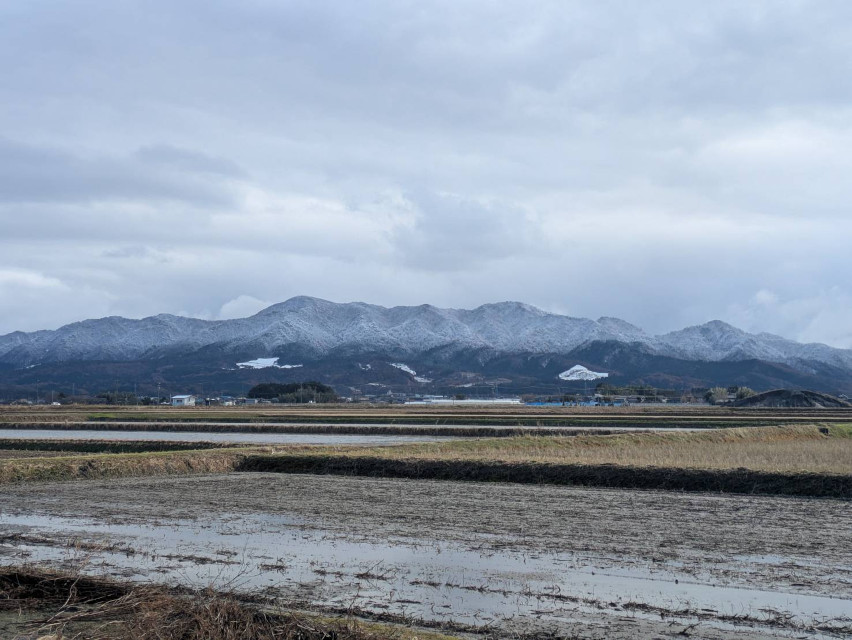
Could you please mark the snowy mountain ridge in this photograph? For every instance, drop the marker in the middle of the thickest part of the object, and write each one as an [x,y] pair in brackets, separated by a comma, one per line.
[317,328]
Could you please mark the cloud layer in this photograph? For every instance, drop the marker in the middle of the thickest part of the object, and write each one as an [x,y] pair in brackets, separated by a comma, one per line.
[666,162]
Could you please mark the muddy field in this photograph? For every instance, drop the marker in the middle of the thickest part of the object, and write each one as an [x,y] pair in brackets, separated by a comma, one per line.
[504,558]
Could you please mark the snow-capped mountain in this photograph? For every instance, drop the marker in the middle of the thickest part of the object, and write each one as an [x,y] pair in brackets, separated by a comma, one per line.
[716,341]
[318,328]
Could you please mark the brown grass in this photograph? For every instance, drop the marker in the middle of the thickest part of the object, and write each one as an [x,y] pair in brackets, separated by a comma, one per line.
[9,454]
[77,466]
[77,607]
[778,450]
[788,449]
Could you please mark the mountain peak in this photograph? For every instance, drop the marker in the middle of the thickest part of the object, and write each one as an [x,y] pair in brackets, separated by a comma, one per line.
[720,325]
[294,304]
[512,305]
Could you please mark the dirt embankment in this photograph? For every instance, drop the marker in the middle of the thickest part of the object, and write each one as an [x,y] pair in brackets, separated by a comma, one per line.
[108,446]
[791,460]
[792,399]
[714,480]
[119,465]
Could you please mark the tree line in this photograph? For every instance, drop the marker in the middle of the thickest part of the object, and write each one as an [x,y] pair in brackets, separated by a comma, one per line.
[294,392]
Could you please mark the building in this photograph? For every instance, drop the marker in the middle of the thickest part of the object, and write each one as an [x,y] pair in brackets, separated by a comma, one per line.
[442,400]
[183,401]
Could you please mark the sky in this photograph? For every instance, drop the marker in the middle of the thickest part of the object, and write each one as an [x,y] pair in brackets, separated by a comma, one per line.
[665,162]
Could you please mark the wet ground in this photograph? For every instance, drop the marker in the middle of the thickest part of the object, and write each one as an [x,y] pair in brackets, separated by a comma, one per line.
[190,436]
[510,558]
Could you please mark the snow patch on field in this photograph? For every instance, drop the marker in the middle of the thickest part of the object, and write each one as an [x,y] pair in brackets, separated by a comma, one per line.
[266,363]
[579,372]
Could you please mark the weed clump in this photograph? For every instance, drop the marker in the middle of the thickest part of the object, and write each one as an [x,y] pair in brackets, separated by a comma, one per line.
[76,607]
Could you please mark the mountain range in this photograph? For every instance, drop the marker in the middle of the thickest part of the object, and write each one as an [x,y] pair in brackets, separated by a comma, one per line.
[360,345]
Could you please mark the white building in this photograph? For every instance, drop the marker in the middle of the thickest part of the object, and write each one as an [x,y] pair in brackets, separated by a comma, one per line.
[183,401]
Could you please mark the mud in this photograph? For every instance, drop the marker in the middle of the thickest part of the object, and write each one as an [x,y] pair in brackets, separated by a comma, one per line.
[506,558]
[740,480]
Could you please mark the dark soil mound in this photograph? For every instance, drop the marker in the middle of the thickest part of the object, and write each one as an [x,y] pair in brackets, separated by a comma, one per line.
[788,398]
[822,485]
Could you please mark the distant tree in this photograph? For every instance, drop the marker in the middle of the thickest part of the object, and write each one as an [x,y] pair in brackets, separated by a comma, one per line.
[745,392]
[117,397]
[717,395]
[460,396]
[294,392]
[268,390]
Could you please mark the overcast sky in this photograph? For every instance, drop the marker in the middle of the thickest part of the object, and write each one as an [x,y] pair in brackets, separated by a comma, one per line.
[666,162]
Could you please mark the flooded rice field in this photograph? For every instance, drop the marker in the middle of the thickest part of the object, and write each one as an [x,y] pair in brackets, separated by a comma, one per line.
[507,558]
[193,436]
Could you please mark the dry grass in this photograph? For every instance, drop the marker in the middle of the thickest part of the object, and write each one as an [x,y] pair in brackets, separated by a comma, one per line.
[9,454]
[29,469]
[69,607]
[785,449]
[788,449]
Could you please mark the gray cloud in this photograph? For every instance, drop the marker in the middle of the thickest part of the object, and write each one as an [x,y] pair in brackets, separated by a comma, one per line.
[163,155]
[668,162]
[39,174]
[451,233]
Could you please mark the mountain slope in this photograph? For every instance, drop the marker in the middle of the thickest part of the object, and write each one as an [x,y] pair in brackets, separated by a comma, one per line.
[316,328]
[716,341]
[372,349]
[312,328]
